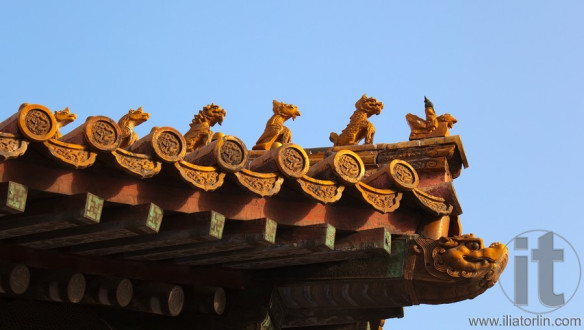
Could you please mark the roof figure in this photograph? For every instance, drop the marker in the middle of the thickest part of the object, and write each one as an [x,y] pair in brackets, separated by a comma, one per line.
[192,229]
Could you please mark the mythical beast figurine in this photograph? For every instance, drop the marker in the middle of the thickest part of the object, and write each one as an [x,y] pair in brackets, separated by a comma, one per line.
[63,118]
[433,126]
[127,123]
[460,262]
[200,132]
[275,131]
[359,127]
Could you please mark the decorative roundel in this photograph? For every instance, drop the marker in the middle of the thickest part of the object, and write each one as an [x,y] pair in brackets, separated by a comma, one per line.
[37,122]
[292,160]
[348,166]
[168,144]
[102,133]
[403,174]
[230,153]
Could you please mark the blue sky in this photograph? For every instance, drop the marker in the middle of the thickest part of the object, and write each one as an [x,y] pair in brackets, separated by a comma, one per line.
[509,71]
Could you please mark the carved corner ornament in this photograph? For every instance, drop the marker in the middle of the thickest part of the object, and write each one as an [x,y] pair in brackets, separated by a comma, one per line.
[127,123]
[375,189]
[11,146]
[262,184]
[70,154]
[276,133]
[432,204]
[200,132]
[383,200]
[432,126]
[460,263]
[322,191]
[138,165]
[359,127]
[207,178]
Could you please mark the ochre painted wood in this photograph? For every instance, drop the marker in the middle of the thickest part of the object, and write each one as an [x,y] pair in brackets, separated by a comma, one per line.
[54,214]
[241,207]
[176,230]
[289,241]
[116,223]
[237,235]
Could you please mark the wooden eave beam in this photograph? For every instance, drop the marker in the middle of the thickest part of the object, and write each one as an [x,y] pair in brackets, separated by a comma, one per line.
[119,188]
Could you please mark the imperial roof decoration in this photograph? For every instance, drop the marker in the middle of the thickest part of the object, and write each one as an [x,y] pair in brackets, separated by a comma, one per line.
[203,211]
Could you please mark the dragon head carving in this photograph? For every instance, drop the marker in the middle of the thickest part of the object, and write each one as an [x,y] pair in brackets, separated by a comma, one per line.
[137,116]
[463,263]
[64,117]
[448,119]
[285,110]
[369,105]
[211,114]
[465,256]
[127,123]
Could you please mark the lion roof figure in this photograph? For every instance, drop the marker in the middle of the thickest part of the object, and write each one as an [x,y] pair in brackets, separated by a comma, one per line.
[359,127]
[200,132]
[275,131]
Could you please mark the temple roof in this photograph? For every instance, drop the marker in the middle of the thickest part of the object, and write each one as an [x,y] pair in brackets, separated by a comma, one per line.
[376,176]
[114,203]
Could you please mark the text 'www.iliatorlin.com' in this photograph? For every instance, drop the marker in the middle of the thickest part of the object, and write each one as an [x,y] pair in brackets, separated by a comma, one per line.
[523,321]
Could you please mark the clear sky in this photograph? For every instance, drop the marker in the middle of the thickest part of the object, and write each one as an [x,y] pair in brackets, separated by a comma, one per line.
[509,71]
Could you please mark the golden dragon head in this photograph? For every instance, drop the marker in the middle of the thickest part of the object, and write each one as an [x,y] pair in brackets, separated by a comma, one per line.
[285,110]
[64,117]
[136,116]
[465,256]
[461,268]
